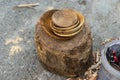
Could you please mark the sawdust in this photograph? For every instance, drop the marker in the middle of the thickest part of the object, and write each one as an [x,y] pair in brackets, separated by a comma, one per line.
[13,41]
[14,50]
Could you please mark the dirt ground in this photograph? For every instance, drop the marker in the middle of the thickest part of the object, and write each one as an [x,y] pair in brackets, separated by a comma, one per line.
[18,58]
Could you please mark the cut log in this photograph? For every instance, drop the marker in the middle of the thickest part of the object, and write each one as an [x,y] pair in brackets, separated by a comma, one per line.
[70,57]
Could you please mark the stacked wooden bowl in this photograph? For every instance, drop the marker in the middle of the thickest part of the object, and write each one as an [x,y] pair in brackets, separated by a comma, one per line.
[63,42]
[62,24]
[66,23]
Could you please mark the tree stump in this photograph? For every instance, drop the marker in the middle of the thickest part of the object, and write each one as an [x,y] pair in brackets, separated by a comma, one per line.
[70,57]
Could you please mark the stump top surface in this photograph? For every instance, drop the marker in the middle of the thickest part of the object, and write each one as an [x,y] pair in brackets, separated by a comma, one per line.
[64,18]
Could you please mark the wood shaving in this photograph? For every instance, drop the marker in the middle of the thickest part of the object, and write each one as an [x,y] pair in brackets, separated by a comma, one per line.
[90,76]
[21,30]
[50,8]
[97,60]
[27,5]
[74,79]
[109,40]
[15,49]
[96,65]
[97,56]
[13,41]
[94,76]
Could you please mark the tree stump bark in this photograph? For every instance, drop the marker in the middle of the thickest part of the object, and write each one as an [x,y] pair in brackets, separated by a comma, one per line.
[70,57]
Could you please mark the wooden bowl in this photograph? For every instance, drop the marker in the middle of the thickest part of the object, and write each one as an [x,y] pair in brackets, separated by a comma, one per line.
[64,18]
[56,28]
[46,21]
[73,31]
[69,34]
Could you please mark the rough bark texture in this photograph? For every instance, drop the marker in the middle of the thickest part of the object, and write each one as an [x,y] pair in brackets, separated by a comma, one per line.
[65,57]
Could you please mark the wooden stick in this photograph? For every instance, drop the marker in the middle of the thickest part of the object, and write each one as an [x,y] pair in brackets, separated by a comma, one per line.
[97,55]
[96,65]
[26,5]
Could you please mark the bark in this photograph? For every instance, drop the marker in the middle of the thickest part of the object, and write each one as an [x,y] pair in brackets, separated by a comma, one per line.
[65,57]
